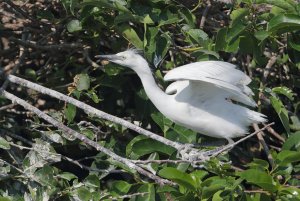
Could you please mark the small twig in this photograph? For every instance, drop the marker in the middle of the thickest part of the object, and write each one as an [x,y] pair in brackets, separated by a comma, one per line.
[16,168]
[275,134]
[5,107]
[129,196]
[268,67]
[230,146]
[203,18]
[83,138]
[257,191]
[18,137]
[19,10]
[75,162]
[18,63]
[161,161]
[59,47]
[197,6]
[263,143]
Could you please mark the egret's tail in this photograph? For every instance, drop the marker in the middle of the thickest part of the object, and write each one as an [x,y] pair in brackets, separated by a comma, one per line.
[256,117]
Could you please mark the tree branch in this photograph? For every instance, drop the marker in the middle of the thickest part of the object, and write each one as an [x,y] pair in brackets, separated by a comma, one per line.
[83,138]
[92,111]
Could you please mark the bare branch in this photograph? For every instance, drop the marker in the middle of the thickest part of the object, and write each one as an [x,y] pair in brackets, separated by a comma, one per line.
[205,12]
[83,138]
[263,143]
[92,111]
[275,134]
[58,47]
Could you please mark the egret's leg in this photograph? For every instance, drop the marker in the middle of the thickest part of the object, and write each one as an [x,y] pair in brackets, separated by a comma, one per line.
[230,141]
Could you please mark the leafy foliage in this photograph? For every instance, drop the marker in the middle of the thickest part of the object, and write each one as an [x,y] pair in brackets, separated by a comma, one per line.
[39,162]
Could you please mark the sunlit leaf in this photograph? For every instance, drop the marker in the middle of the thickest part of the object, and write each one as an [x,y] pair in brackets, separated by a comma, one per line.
[130,34]
[284,23]
[287,156]
[259,178]
[74,25]
[181,178]
[281,111]
[4,144]
[284,91]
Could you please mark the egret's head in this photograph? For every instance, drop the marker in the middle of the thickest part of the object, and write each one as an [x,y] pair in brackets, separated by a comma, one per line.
[129,58]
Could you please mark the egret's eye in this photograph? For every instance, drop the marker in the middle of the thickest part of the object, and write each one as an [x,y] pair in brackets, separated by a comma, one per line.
[123,57]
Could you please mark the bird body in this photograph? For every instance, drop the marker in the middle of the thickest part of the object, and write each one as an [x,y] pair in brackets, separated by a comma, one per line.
[201,96]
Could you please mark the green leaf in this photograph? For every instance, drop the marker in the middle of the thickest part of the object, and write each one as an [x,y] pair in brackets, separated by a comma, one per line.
[130,34]
[147,146]
[114,5]
[281,111]
[5,199]
[285,157]
[67,176]
[284,23]
[293,41]
[83,193]
[238,15]
[217,196]
[4,144]
[29,72]
[284,4]
[234,32]
[295,123]
[198,36]
[197,176]
[258,164]
[284,91]
[92,181]
[120,187]
[82,82]
[259,178]
[261,35]
[70,112]
[212,185]
[163,122]
[171,18]
[112,69]
[225,43]
[292,142]
[201,52]
[179,177]
[74,25]
[150,193]
[188,16]
[188,135]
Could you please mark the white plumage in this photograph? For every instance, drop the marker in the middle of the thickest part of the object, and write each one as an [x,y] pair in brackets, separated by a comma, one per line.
[201,96]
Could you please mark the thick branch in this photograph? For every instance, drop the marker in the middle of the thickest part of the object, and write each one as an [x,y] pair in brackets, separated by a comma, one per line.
[92,111]
[70,132]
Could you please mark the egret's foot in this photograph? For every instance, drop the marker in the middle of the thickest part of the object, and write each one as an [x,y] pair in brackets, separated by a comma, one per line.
[189,153]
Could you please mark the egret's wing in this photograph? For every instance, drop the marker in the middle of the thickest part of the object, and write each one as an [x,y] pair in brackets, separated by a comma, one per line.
[220,74]
[177,86]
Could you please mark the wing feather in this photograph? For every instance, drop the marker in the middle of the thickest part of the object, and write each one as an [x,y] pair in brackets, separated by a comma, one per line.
[221,74]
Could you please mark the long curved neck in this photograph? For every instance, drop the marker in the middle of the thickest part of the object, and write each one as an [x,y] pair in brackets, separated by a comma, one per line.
[155,94]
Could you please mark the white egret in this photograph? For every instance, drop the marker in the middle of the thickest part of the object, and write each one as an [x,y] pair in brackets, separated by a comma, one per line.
[201,98]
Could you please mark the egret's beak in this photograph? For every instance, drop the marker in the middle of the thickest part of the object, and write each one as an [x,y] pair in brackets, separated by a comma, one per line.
[110,57]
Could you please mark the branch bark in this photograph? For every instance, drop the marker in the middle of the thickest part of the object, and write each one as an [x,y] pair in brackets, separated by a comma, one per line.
[81,137]
[92,111]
